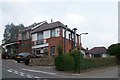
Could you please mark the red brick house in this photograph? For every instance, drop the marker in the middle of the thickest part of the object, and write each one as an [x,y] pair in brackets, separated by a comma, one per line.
[24,38]
[43,36]
[48,36]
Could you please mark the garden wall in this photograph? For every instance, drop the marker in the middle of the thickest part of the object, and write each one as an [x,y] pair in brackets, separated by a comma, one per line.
[42,61]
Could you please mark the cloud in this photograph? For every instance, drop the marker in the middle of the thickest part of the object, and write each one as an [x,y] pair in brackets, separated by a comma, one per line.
[94,39]
[73,20]
[59,0]
[100,22]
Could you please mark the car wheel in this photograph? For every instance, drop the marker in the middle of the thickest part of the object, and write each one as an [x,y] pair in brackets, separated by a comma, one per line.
[18,61]
[27,62]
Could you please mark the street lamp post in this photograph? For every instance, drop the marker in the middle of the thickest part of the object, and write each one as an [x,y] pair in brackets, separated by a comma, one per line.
[80,39]
[81,43]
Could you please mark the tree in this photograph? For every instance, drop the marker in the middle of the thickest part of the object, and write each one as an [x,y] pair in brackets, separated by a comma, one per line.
[11,32]
[114,49]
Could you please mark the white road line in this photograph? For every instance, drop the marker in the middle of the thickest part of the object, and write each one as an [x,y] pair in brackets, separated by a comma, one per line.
[22,74]
[29,76]
[15,72]
[37,77]
[10,70]
[39,71]
[75,74]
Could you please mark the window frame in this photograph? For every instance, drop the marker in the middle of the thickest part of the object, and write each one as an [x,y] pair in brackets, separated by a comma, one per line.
[52,33]
[40,34]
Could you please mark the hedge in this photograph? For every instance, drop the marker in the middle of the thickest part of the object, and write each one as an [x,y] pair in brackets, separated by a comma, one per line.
[75,62]
[64,62]
[97,62]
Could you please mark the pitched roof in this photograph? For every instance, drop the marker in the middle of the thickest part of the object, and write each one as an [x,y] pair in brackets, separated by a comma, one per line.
[98,50]
[47,26]
[41,26]
[30,27]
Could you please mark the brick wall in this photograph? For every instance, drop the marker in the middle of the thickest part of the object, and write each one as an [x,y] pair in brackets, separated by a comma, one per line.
[25,46]
[54,41]
[42,61]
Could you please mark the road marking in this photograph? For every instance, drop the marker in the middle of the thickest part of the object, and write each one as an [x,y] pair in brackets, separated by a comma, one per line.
[39,71]
[29,76]
[15,72]
[37,77]
[22,74]
[75,74]
[10,70]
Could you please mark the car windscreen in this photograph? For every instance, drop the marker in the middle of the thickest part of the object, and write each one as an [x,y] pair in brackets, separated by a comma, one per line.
[23,54]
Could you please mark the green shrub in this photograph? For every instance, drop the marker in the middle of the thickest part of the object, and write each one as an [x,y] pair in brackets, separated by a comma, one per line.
[78,57]
[60,49]
[64,62]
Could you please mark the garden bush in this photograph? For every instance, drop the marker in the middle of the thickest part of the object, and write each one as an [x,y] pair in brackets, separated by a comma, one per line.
[78,57]
[64,62]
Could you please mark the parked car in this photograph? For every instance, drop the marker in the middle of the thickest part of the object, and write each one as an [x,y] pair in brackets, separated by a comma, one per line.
[25,57]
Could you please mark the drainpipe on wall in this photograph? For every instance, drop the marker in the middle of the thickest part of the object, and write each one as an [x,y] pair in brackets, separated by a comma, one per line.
[74,29]
[65,39]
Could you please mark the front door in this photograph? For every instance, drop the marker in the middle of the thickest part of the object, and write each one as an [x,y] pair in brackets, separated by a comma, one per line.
[52,51]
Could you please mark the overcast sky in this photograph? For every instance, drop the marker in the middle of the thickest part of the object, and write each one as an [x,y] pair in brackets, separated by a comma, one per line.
[99,18]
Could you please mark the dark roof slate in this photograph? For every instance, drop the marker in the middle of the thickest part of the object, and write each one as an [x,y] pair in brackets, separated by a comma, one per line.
[47,26]
[30,27]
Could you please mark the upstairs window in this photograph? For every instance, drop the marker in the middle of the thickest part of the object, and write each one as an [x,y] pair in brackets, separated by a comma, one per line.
[53,33]
[28,34]
[23,35]
[19,36]
[40,36]
[69,37]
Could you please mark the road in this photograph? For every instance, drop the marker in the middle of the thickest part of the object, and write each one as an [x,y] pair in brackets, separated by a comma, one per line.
[12,69]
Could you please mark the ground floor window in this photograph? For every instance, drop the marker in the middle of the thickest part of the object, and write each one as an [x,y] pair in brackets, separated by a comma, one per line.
[40,51]
[97,55]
